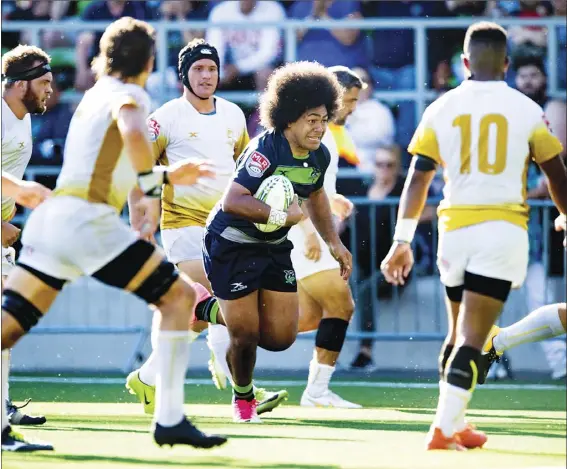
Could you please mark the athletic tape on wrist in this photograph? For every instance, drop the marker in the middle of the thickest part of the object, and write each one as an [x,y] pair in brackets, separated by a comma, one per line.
[151,182]
[405,230]
[277,217]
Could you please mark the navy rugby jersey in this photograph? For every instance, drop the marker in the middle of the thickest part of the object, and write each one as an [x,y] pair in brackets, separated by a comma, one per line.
[269,154]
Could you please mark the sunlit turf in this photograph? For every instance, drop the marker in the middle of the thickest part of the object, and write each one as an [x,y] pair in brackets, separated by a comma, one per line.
[101,426]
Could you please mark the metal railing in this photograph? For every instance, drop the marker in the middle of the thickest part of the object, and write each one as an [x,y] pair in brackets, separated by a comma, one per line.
[420,95]
[415,314]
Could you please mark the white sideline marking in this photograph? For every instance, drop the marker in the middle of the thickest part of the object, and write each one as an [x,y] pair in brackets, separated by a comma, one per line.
[291,383]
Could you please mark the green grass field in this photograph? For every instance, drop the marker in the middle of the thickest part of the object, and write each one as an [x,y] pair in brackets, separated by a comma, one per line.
[101,426]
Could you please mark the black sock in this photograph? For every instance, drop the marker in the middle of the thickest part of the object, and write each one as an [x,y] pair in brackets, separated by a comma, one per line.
[443,358]
[207,310]
[244,392]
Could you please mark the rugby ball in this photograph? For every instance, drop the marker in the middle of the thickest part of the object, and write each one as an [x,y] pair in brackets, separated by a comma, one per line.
[277,192]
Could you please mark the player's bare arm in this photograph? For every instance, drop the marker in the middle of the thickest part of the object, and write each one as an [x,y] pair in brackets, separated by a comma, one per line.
[341,206]
[320,213]
[10,234]
[398,262]
[26,193]
[556,174]
[240,202]
[312,246]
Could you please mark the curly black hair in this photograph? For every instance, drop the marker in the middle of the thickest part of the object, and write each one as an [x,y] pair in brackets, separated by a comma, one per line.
[295,88]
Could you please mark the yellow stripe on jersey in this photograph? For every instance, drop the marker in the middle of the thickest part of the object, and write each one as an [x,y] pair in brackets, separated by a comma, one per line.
[159,146]
[100,188]
[543,144]
[424,142]
[174,215]
[107,159]
[460,216]
[345,144]
[241,143]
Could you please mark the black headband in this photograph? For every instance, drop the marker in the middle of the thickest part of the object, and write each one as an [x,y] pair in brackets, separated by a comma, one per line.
[190,56]
[28,75]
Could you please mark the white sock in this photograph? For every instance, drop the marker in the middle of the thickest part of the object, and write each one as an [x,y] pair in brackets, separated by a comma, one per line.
[453,402]
[156,321]
[319,377]
[4,383]
[543,323]
[172,355]
[148,371]
[218,341]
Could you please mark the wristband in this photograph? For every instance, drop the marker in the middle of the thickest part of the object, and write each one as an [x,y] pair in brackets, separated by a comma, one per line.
[405,230]
[277,217]
[151,182]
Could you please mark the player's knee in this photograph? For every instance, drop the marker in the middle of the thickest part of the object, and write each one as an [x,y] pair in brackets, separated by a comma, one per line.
[158,288]
[331,334]
[280,342]
[462,370]
[244,340]
[345,309]
[23,313]
[179,299]
[308,323]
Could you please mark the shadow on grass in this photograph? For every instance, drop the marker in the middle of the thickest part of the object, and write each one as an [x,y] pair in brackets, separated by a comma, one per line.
[225,433]
[520,428]
[496,416]
[193,462]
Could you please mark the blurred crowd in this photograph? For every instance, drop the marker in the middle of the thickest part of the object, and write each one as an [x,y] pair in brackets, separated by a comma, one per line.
[386,58]
[378,132]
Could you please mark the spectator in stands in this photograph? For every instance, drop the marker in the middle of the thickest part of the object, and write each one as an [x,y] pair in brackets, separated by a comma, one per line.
[23,10]
[529,39]
[387,182]
[49,130]
[453,39]
[531,79]
[175,10]
[330,47]
[248,55]
[371,125]
[87,45]
[393,53]
[560,10]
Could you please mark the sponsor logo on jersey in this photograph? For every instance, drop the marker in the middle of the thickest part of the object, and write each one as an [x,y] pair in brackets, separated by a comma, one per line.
[257,164]
[153,130]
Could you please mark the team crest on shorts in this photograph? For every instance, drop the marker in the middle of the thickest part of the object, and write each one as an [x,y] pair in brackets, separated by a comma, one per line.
[153,130]
[289,276]
[257,164]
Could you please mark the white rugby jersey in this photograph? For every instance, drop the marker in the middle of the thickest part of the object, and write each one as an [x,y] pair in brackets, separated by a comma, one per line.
[330,183]
[178,132]
[95,166]
[484,134]
[16,150]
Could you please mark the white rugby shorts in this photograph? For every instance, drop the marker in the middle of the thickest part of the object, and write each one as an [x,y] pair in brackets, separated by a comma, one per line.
[67,237]
[305,267]
[494,249]
[183,244]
